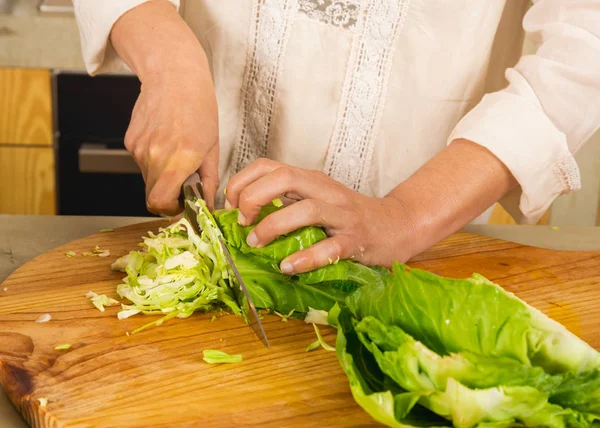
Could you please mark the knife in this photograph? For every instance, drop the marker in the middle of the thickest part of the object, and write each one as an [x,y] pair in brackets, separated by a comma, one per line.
[192,189]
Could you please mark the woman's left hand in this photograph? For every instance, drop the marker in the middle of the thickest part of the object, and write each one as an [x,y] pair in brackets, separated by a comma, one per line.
[373,231]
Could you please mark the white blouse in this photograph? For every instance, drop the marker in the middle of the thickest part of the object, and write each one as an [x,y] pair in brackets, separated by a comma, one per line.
[369,90]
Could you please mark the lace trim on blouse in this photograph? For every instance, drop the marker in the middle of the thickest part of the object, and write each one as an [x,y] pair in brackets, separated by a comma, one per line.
[340,13]
[269,32]
[352,143]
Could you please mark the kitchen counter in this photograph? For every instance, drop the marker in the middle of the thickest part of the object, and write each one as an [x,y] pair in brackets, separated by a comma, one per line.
[24,237]
[33,39]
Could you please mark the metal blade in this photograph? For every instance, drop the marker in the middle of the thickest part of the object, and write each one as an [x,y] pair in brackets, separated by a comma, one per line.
[253,315]
[192,189]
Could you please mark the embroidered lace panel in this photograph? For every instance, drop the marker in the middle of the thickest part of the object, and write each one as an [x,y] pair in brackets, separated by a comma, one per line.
[351,146]
[341,13]
[266,46]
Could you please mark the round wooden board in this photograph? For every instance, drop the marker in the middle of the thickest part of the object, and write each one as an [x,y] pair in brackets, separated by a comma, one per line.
[158,377]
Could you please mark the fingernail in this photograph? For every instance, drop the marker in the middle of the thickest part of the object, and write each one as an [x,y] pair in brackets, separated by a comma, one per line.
[242,219]
[252,239]
[287,267]
[227,205]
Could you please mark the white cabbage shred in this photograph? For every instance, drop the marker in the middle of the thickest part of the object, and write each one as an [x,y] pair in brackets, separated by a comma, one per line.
[315,316]
[177,272]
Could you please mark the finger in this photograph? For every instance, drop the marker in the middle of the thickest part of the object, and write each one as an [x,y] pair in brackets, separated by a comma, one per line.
[284,180]
[163,197]
[308,212]
[209,176]
[321,254]
[247,176]
[164,185]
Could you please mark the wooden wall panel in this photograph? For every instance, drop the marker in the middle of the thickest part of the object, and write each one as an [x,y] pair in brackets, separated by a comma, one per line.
[25,106]
[27,181]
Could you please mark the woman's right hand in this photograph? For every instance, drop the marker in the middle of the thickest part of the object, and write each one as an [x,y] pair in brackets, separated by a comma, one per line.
[174,132]
[174,128]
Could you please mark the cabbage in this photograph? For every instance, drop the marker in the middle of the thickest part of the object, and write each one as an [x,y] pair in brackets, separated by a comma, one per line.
[421,349]
[213,356]
[177,273]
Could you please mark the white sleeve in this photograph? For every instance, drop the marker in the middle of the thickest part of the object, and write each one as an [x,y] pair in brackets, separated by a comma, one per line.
[95,19]
[549,109]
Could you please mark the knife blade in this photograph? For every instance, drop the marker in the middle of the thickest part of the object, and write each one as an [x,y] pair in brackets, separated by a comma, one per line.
[253,318]
[192,189]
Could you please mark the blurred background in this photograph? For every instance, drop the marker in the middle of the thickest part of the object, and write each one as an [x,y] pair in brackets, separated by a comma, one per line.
[61,131]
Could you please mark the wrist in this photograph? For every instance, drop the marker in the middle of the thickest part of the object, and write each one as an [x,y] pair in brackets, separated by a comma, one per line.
[408,227]
[168,64]
[167,71]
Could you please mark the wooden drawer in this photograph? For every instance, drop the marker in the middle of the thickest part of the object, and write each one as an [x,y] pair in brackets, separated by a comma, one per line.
[27,180]
[25,107]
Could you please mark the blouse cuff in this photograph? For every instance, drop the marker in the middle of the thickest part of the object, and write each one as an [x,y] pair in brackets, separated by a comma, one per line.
[95,25]
[519,133]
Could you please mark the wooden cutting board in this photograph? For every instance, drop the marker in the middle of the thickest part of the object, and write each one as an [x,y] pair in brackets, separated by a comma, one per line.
[158,377]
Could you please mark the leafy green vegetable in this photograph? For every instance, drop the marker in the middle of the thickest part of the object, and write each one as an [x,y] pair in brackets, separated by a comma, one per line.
[270,288]
[374,391]
[475,315]
[316,316]
[313,346]
[63,347]
[101,300]
[579,391]
[212,356]
[284,318]
[321,340]
[177,273]
[100,253]
[472,353]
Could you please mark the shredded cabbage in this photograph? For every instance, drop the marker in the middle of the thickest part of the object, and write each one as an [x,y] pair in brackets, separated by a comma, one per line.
[213,356]
[63,347]
[321,340]
[177,272]
[101,300]
[316,316]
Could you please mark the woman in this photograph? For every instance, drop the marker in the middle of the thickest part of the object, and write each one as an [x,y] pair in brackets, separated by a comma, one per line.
[370,114]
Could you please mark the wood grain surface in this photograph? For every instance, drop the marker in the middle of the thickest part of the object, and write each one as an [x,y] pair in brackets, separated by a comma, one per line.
[28,181]
[158,378]
[25,106]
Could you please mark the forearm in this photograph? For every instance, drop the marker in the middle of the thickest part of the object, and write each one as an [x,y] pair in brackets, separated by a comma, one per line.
[174,128]
[152,39]
[450,190]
